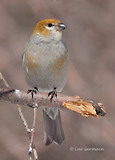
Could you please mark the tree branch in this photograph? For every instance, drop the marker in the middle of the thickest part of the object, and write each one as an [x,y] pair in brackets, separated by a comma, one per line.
[84,107]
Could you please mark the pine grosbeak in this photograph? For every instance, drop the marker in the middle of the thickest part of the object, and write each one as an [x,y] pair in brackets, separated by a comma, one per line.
[45,64]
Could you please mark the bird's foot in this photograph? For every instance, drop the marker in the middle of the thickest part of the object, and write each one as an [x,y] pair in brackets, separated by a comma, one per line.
[52,94]
[33,91]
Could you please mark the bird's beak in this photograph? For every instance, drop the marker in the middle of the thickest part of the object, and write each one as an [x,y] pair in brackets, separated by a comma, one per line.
[62,26]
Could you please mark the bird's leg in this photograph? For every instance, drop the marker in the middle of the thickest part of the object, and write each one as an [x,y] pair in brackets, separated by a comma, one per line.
[52,94]
[32,91]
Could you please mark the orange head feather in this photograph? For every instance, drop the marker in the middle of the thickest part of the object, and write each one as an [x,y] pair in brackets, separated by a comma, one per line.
[41,27]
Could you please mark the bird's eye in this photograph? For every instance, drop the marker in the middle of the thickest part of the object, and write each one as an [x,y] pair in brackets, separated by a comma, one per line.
[50,25]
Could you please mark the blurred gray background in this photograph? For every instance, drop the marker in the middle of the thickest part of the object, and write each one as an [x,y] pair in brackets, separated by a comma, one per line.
[90,38]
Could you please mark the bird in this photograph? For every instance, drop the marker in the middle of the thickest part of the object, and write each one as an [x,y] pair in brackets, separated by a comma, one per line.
[45,66]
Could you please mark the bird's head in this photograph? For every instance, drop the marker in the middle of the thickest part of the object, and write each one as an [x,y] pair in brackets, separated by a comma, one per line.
[49,29]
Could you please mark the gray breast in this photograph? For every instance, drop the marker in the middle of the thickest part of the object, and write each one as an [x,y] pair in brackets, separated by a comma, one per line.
[54,65]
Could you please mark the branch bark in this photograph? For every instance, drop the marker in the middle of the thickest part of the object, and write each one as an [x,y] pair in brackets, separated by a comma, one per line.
[76,104]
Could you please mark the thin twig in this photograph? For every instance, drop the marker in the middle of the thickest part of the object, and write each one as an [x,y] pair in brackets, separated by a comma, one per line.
[24,121]
[3,81]
[32,148]
[35,153]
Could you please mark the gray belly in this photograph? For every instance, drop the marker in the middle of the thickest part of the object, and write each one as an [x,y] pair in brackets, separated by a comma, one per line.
[45,79]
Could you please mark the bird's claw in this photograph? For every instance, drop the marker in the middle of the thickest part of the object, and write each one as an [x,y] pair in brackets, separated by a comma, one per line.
[52,94]
[32,91]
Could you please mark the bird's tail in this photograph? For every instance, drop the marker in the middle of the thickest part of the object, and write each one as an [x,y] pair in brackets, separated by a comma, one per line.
[53,126]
